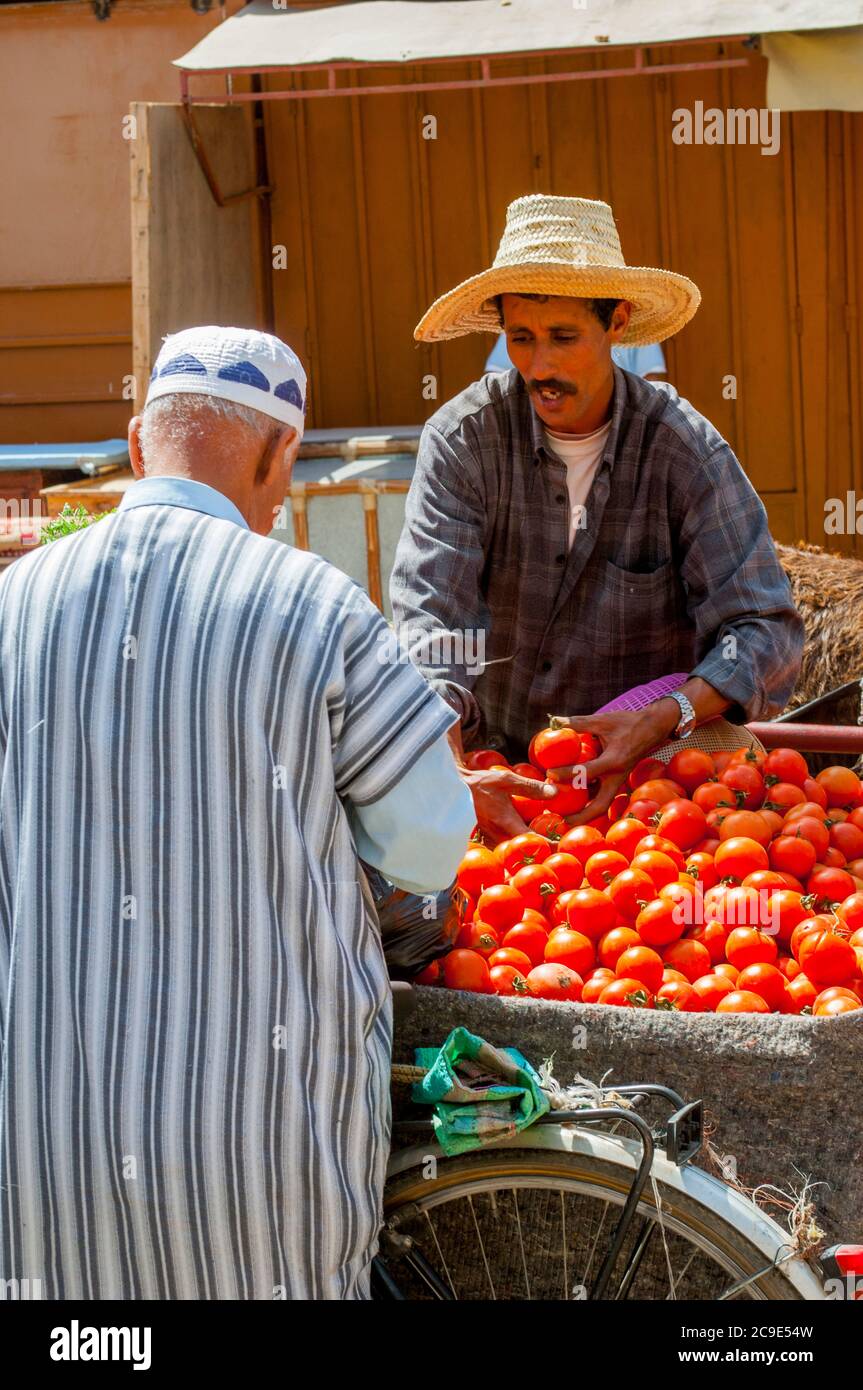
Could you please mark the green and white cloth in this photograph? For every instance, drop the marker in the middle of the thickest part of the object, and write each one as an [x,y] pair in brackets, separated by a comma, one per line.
[481,1094]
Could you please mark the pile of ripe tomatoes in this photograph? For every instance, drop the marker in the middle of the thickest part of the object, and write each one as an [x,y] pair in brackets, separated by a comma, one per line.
[728,882]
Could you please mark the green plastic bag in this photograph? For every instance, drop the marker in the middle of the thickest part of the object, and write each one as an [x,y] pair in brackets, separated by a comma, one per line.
[481,1094]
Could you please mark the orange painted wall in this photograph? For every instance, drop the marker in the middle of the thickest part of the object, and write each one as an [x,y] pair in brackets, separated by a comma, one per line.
[66,81]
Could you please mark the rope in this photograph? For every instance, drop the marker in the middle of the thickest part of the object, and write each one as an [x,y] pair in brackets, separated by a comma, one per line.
[401,1071]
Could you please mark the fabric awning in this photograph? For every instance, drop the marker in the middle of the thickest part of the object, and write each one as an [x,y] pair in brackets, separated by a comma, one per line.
[408,31]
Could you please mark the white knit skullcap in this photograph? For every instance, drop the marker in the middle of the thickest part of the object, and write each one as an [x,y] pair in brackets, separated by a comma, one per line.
[237,364]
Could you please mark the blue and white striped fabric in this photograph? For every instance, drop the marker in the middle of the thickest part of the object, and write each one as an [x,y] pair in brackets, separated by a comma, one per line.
[194,1007]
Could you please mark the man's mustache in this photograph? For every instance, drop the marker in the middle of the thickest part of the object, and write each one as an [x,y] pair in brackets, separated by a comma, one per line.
[552,384]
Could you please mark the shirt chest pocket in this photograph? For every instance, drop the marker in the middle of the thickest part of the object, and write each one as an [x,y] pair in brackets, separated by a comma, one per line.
[631,611]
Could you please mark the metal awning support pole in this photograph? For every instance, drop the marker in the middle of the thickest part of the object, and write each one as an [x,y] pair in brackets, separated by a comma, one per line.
[639,68]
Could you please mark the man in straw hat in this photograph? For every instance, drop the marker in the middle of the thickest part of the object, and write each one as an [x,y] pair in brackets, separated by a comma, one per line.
[197,734]
[591,528]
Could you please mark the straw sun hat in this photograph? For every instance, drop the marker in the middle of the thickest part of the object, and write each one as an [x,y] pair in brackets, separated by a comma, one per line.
[564,246]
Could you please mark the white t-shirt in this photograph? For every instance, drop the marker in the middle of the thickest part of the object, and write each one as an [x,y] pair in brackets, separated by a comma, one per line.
[581,454]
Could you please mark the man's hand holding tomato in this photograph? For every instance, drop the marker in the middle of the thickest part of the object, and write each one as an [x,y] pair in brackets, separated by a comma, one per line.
[492,789]
[627,736]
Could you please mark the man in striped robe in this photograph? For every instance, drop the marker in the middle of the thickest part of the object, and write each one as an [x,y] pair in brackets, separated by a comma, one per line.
[199,729]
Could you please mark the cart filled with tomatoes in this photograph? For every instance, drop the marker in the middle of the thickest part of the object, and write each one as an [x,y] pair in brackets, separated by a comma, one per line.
[706,934]
[719,882]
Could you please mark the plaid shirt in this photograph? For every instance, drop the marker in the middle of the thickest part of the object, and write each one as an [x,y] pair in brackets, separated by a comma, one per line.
[672,569]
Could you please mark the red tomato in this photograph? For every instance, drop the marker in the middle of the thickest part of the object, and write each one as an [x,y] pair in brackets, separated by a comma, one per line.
[827,958]
[642,809]
[850,910]
[568,870]
[501,906]
[630,891]
[835,992]
[570,948]
[660,923]
[801,994]
[711,988]
[745,907]
[466,970]
[749,757]
[841,784]
[529,937]
[549,824]
[815,792]
[640,963]
[660,789]
[601,868]
[683,823]
[690,767]
[792,854]
[728,970]
[522,850]
[554,982]
[477,936]
[789,966]
[742,1001]
[591,912]
[556,748]
[680,996]
[614,943]
[747,784]
[768,881]
[658,867]
[786,765]
[557,907]
[581,841]
[785,909]
[740,856]
[702,867]
[832,1007]
[627,993]
[595,984]
[782,796]
[625,835]
[506,980]
[568,800]
[847,838]
[712,794]
[485,758]
[536,884]
[765,980]
[752,824]
[810,829]
[644,771]
[713,935]
[830,885]
[432,975]
[508,955]
[479,870]
[689,957]
[663,846]
[748,946]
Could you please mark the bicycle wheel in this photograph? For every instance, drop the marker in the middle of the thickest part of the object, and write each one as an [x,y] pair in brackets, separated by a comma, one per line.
[535,1222]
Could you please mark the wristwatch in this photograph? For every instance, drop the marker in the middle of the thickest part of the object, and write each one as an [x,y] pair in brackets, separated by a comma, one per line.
[687,716]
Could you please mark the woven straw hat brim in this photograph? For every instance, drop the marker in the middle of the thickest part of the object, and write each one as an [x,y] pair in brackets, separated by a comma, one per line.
[662,301]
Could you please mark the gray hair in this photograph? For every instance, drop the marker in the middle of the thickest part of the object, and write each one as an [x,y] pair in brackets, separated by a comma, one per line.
[169,421]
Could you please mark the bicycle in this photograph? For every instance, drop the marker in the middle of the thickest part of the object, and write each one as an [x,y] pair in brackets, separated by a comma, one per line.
[573,1209]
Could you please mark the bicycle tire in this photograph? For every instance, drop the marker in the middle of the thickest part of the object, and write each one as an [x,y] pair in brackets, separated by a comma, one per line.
[682,1215]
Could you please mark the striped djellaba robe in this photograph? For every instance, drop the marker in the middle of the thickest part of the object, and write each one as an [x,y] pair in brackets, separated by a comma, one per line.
[194,1007]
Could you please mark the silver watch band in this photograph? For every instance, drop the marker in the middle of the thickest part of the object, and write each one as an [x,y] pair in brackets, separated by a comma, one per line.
[686,723]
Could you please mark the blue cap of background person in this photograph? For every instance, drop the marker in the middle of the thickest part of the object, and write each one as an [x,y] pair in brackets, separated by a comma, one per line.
[238,364]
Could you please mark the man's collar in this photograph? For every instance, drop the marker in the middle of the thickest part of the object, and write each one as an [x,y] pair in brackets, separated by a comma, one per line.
[164,491]
[618,403]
